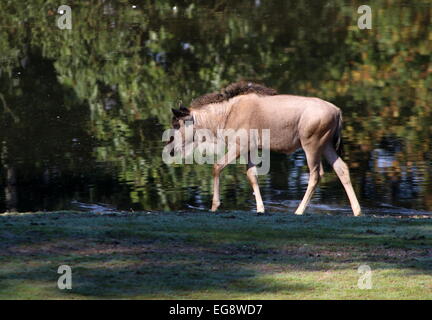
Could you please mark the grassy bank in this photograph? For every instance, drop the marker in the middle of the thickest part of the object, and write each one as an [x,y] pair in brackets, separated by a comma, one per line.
[201,255]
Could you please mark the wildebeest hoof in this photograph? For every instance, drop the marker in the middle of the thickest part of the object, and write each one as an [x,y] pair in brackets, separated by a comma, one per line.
[358,213]
[214,207]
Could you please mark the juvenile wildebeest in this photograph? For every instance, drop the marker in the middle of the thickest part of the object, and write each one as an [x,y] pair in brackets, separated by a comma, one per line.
[294,122]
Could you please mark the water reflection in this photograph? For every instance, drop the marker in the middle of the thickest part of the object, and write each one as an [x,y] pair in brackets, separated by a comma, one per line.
[82,112]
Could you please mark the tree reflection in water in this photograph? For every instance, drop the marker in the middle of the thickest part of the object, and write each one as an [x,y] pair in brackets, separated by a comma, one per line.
[82,111]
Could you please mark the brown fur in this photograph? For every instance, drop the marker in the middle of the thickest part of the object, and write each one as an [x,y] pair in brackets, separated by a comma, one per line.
[231,91]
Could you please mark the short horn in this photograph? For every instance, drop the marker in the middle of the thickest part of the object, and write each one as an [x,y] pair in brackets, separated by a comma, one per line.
[183,108]
[180,113]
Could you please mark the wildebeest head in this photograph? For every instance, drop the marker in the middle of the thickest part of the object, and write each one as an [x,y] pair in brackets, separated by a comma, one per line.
[182,123]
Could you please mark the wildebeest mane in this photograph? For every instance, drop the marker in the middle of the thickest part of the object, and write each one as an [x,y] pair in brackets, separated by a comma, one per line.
[231,91]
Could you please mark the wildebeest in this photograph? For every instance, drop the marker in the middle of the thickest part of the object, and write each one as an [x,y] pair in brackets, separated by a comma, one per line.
[294,122]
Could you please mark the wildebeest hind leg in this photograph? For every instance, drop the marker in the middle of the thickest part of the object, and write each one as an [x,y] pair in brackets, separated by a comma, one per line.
[313,156]
[342,172]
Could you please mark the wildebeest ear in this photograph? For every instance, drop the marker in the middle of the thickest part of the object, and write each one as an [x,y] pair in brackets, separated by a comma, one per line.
[180,113]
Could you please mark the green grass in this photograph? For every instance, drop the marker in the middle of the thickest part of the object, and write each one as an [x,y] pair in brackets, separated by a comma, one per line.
[235,255]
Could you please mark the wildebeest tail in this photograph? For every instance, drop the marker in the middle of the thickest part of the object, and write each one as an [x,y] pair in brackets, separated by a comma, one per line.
[337,138]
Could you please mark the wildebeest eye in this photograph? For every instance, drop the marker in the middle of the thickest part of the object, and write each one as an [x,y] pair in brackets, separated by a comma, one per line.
[175,124]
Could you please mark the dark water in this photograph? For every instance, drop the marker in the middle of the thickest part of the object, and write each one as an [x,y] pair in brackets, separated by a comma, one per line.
[82,111]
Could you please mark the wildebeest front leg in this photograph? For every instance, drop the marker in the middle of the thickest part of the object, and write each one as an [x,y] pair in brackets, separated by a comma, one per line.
[216,199]
[252,176]
[217,168]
